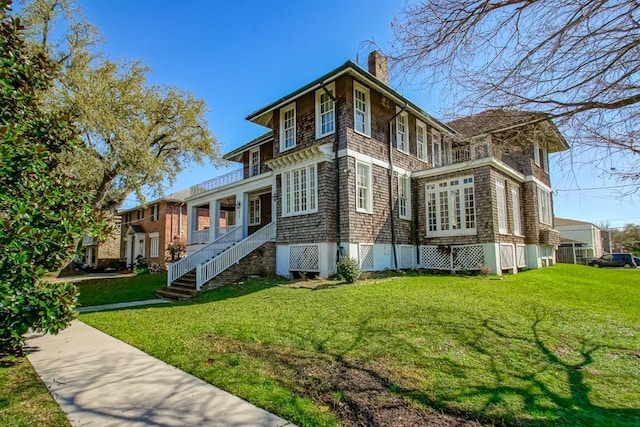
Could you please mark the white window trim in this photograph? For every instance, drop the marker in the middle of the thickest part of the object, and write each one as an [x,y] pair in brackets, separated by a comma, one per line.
[287,193]
[402,138]
[544,217]
[501,206]
[319,93]
[283,111]
[436,154]
[406,179]
[463,231]
[369,208]
[252,218]
[515,210]
[153,236]
[252,164]
[367,125]
[423,143]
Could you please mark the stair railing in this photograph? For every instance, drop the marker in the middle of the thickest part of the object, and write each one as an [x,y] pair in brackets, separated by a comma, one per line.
[232,255]
[181,267]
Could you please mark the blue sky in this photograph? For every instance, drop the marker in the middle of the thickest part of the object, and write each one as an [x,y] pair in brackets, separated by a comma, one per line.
[242,55]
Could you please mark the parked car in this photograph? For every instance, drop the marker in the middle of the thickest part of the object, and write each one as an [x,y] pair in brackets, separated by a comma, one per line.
[616,260]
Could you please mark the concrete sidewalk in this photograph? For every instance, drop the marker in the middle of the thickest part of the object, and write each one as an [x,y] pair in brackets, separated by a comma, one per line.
[100,381]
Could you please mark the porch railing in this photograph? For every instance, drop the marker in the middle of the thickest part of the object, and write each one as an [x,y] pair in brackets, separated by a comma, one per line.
[210,269]
[468,153]
[200,236]
[181,267]
[219,181]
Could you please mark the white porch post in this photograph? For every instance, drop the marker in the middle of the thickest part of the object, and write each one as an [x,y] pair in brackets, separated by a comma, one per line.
[215,225]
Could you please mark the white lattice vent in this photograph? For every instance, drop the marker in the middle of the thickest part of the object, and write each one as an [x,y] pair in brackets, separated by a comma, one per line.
[469,257]
[406,256]
[520,256]
[433,257]
[365,255]
[506,257]
[304,258]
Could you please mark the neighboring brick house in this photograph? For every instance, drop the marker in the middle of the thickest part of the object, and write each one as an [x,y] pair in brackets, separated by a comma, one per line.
[352,168]
[102,253]
[148,230]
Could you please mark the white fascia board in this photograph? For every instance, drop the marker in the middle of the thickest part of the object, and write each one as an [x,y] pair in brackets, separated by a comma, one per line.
[473,164]
[371,160]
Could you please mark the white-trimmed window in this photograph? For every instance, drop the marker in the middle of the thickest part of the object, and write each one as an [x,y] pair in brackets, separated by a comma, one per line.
[254,210]
[361,109]
[363,188]
[288,127]
[300,191]
[540,156]
[421,140]
[155,212]
[254,161]
[402,132]
[544,206]
[501,200]
[451,207]
[325,112]
[404,201]
[154,245]
[515,207]
[436,148]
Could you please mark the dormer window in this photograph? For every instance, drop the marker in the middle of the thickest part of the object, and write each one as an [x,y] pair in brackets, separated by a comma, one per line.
[288,127]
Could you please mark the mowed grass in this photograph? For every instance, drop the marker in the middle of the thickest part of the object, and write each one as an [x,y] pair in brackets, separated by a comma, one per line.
[109,291]
[557,346]
[24,400]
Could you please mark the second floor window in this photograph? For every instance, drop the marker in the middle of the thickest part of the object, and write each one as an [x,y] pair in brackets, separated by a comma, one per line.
[140,213]
[436,149]
[299,191]
[288,127]
[155,212]
[325,112]
[361,109]
[451,207]
[254,162]
[402,133]
[421,141]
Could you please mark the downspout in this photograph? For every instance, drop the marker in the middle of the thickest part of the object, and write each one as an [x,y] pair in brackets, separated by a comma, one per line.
[393,221]
[337,167]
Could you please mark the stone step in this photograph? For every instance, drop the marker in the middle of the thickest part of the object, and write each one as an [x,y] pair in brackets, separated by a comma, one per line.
[172,294]
[184,282]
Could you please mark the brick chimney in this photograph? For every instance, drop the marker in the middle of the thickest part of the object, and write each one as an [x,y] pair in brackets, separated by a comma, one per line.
[377,64]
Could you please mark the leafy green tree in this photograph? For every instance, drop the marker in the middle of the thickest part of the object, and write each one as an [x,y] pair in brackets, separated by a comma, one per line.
[137,136]
[42,209]
[629,237]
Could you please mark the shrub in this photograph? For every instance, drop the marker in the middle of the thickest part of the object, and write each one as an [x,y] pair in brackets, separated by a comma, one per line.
[348,269]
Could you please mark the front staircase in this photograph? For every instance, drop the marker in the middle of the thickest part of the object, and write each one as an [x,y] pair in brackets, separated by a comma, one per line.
[186,277]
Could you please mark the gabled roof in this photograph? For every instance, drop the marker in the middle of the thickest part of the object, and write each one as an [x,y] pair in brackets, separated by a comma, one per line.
[559,222]
[236,155]
[134,229]
[496,121]
[264,115]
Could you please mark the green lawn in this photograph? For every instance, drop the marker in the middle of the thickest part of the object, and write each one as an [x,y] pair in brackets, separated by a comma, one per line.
[108,291]
[551,346]
[24,400]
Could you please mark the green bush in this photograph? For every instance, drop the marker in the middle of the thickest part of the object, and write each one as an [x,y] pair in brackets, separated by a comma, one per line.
[348,269]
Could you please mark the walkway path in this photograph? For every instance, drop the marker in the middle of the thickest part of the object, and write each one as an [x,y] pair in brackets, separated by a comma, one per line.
[100,381]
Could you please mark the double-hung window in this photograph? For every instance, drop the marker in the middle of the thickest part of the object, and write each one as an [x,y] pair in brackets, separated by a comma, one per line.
[515,206]
[300,191]
[361,109]
[325,111]
[402,132]
[544,206]
[450,207]
[254,210]
[288,127]
[421,140]
[155,211]
[404,191]
[363,188]
[436,148]
[254,162]
[501,200]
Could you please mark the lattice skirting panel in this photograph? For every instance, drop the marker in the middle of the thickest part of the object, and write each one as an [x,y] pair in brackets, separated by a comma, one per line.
[467,257]
[304,258]
[365,255]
